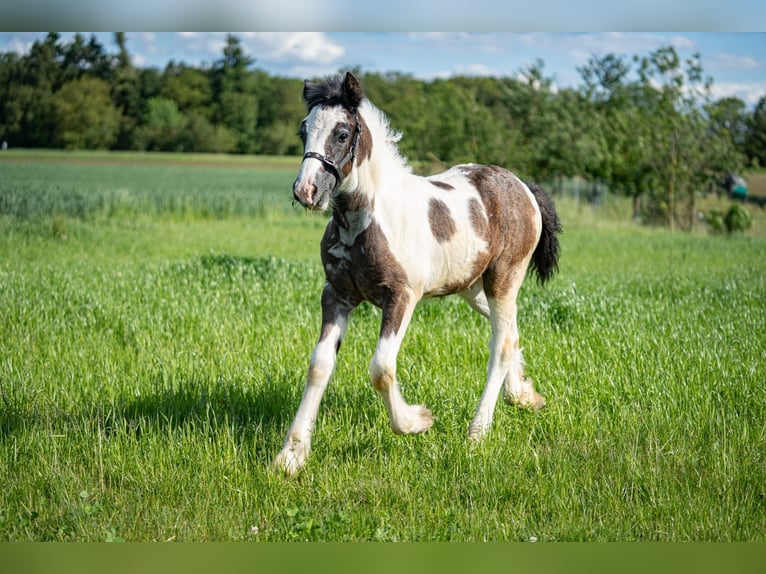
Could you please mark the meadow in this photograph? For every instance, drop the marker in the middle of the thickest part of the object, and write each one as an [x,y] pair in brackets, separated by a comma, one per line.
[157,314]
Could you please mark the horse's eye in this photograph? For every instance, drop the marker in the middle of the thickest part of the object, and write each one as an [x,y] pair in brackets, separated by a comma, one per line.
[343,136]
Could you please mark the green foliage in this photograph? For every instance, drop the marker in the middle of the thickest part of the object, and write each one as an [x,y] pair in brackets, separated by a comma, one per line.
[85,115]
[645,126]
[714,220]
[151,363]
[163,125]
[669,141]
[755,139]
[737,219]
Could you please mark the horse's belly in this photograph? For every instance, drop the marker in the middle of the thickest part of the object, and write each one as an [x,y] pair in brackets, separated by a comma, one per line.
[455,267]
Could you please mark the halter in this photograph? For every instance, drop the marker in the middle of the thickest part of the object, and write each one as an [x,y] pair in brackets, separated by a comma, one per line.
[329,164]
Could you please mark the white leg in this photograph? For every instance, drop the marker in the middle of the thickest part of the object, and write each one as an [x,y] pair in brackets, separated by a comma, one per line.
[404,418]
[503,344]
[297,445]
[517,389]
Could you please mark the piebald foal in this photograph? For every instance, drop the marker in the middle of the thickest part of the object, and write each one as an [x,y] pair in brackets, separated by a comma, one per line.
[395,238]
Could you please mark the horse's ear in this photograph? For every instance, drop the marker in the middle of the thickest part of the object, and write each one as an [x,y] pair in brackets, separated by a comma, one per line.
[306,90]
[352,91]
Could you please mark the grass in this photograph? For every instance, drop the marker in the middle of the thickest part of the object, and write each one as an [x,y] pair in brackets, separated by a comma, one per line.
[153,351]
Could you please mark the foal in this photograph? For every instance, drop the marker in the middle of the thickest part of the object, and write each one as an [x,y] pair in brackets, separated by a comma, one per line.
[396,238]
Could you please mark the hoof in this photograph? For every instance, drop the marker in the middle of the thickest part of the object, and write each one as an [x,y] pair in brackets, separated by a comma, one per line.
[527,398]
[476,432]
[290,460]
[417,419]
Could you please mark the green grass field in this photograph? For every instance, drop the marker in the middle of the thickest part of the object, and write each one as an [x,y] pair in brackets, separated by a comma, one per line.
[157,314]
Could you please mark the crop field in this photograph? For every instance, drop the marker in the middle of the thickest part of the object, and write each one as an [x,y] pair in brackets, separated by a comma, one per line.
[157,314]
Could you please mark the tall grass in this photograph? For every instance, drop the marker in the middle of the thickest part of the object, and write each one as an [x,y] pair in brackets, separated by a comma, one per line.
[152,359]
[38,189]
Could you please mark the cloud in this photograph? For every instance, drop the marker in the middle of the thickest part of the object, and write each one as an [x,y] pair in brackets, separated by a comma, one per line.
[303,47]
[735,61]
[18,46]
[749,93]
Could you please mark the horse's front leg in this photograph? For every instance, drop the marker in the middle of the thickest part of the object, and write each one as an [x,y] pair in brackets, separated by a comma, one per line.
[297,445]
[404,418]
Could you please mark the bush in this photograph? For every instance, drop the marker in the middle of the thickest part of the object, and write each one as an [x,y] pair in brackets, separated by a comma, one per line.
[714,219]
[737,219]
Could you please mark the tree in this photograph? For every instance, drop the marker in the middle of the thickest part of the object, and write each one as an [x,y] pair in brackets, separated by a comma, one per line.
[85,57]
[665,140]
[234,103]
[163,126]
[28,102]
[126,93]
[189,87]
[85,115]
[755,139]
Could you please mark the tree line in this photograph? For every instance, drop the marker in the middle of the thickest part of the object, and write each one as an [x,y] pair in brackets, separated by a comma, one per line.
[644,125]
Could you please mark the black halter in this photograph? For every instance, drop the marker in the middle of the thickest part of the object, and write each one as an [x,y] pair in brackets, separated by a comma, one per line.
[329,164]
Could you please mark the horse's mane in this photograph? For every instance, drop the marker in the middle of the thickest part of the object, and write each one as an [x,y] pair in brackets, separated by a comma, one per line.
[327,92]
[382,132]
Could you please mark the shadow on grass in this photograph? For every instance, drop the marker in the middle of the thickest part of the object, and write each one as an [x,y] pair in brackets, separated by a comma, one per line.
[255,413]
[246,409]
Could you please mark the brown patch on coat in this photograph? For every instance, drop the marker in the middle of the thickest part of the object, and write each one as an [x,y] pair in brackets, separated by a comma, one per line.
[442,185]
[344,203]
[440,219]
[368,271]
[478,219]
[364,147]
[334,306]
[510,230]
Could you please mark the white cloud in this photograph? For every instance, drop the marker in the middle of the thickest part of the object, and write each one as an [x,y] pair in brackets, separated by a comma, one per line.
[18,46]
[735,61]
[305,47]
[749,93]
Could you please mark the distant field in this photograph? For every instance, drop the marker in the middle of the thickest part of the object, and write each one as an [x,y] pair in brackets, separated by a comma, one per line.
[756,183]
[156,321]
[149,158]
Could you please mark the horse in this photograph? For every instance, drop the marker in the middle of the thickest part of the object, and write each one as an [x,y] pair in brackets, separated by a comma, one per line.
[395,238]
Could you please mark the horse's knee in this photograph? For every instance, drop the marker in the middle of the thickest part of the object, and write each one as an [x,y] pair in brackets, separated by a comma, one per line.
[382,375]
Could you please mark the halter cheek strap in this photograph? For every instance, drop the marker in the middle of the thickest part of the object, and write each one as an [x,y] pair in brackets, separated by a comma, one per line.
[329,164]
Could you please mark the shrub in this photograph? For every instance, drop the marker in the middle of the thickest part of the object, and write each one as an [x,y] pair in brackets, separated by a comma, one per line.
[737,219]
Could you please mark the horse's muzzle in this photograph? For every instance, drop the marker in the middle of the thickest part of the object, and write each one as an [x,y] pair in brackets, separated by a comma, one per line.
[310,196]
[304,193]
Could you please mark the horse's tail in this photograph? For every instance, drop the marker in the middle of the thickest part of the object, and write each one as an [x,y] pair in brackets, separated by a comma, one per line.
[545,259]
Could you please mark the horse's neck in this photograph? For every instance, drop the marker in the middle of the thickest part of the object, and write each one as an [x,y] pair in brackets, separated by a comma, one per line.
[377,183]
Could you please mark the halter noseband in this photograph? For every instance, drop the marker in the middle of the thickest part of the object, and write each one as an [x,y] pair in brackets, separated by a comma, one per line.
[329,164]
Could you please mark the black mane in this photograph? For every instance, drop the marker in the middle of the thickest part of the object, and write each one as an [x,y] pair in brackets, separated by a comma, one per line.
[335,90]
[329,91]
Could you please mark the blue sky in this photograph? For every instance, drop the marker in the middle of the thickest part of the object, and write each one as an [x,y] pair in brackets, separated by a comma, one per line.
[735,60]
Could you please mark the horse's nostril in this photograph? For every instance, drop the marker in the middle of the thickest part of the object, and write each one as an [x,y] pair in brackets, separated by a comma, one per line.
[305,193]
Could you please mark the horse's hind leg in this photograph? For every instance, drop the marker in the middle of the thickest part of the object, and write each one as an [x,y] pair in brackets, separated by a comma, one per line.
[517,389]
[506,366]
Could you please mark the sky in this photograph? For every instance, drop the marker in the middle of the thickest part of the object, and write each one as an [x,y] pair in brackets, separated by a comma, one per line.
[735,60]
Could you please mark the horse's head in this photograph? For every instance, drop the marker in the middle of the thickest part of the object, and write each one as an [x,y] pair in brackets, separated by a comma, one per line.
[330,134]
